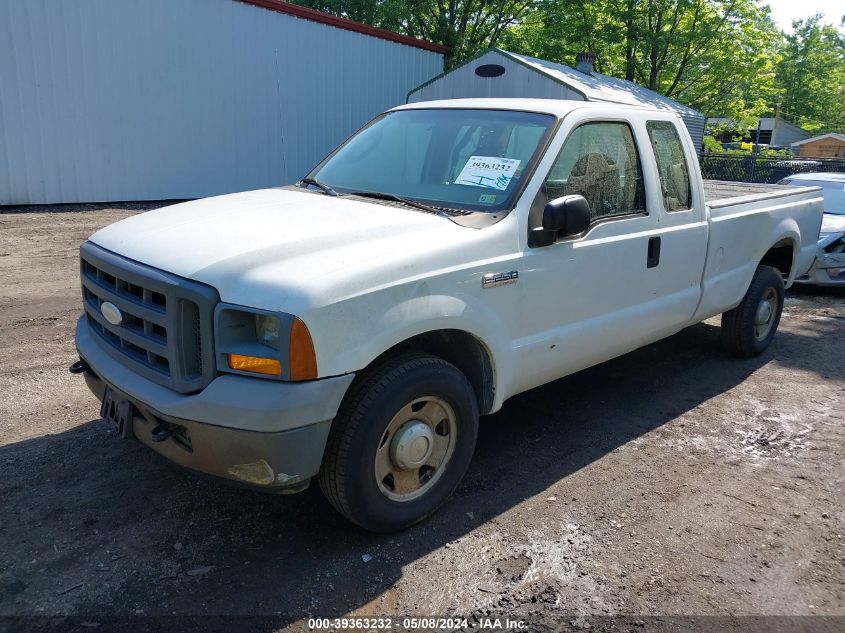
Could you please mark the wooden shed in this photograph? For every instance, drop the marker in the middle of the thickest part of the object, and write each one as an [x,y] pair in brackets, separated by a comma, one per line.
[831,145]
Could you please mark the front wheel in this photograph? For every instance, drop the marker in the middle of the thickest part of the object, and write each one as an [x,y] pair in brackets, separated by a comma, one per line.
[749,328]
[400,444]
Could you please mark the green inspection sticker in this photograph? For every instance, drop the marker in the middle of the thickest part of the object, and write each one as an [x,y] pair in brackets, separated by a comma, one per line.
[487,198]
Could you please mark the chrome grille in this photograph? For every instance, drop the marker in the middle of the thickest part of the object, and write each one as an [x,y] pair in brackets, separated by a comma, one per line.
[165,334]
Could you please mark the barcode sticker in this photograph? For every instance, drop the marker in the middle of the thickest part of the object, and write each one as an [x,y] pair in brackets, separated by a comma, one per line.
[491,172]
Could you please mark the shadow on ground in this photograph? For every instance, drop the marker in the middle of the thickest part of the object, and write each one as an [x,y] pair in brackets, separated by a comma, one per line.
[289,558]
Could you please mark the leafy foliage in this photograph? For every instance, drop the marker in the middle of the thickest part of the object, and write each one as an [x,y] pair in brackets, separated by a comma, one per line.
[466,26]
[723,57]
[811,76]
[717,56]
[712,145]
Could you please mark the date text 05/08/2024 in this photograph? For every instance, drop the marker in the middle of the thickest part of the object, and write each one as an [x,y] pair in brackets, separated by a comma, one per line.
[414,624]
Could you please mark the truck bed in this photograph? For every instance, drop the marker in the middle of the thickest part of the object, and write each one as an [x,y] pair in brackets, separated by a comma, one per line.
[721,189]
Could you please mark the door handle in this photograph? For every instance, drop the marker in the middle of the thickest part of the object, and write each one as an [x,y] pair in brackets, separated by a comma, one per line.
[653,258]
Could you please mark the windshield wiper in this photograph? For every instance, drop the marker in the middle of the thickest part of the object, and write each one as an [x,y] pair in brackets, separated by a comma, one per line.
[383,195]
[313,181]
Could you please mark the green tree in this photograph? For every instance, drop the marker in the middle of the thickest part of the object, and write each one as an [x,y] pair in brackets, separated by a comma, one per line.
[712,145]
[715,55]
[467,27]
[387,14]
[723,57]
[810,78]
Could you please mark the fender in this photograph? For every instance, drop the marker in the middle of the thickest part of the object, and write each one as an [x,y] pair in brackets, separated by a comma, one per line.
[786,231]
[725,290]
[730,268]
[382,323]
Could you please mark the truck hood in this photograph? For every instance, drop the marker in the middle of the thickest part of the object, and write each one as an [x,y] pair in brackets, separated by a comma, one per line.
[260,247]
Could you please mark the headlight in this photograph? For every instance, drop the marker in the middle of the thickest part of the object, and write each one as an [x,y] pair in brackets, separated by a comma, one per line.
[258,342]
[267,329]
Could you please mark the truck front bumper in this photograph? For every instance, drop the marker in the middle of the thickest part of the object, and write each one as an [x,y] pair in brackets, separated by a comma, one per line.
[263,433]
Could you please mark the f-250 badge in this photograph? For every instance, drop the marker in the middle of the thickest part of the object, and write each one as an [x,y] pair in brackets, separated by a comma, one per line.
[492,280]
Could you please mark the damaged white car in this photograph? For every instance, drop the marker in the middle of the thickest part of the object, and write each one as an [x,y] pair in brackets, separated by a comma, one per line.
[829,267]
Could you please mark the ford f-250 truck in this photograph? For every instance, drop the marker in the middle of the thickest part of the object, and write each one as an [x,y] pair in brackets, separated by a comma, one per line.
[353,326]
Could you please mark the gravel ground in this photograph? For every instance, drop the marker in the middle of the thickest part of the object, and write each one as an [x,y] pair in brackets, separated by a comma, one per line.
[675,481]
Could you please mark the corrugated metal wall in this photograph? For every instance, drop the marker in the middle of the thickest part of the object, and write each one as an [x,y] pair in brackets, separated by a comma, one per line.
[104,100]
[695,126]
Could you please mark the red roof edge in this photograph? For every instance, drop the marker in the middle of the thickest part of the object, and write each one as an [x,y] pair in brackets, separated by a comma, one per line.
[342,23]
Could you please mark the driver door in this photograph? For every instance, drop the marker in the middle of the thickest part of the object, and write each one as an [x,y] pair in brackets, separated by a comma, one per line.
[586,299]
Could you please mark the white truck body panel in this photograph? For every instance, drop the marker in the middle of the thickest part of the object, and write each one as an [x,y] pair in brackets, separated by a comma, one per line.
[759,222]
[364,276]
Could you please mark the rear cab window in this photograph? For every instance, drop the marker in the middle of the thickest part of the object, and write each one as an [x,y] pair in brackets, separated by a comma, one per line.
[671,165]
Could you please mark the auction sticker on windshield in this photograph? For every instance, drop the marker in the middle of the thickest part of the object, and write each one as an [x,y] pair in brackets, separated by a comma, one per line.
[491,172]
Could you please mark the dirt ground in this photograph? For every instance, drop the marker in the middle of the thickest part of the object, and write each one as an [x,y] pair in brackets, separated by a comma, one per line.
[675,481]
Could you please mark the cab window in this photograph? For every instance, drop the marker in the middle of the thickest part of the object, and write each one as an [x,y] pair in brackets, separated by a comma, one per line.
[671,165]
[600,162]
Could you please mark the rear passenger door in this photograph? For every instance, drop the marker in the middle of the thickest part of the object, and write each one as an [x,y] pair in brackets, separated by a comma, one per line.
[681,218]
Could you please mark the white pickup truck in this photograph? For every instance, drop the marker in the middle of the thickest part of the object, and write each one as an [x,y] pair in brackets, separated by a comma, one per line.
[354,326]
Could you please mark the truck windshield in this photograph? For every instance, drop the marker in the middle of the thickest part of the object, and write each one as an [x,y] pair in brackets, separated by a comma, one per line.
[444,158]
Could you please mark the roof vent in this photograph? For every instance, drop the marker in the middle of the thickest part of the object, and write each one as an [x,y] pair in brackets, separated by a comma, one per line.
[490,70]
[584,63]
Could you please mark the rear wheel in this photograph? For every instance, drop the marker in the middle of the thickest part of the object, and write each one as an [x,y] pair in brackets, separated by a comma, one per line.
[400,444]
[749,328]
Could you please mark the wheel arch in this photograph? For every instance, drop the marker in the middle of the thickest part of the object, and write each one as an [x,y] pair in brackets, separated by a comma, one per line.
[783,255]
[462,349]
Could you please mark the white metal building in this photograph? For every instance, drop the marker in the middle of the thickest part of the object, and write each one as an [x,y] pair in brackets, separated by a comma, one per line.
[768,131]
[105,100]
[499,73]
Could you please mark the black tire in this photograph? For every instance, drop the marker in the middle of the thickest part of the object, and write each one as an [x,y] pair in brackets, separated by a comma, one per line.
[739,326]
[347,475]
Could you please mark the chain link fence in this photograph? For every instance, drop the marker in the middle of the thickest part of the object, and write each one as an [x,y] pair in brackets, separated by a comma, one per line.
[763,169]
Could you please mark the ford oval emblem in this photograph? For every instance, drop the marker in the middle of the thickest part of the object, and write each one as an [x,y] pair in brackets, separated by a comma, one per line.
[112,313]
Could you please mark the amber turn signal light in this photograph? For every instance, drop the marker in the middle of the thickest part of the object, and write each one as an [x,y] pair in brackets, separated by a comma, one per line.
[255,364]
[303,360]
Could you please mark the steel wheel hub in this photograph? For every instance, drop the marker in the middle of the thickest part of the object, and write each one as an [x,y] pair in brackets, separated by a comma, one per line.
[415,448]
[765,314]
[412,445]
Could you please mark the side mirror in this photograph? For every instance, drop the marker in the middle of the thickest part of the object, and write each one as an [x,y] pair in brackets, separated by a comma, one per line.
[562,217]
